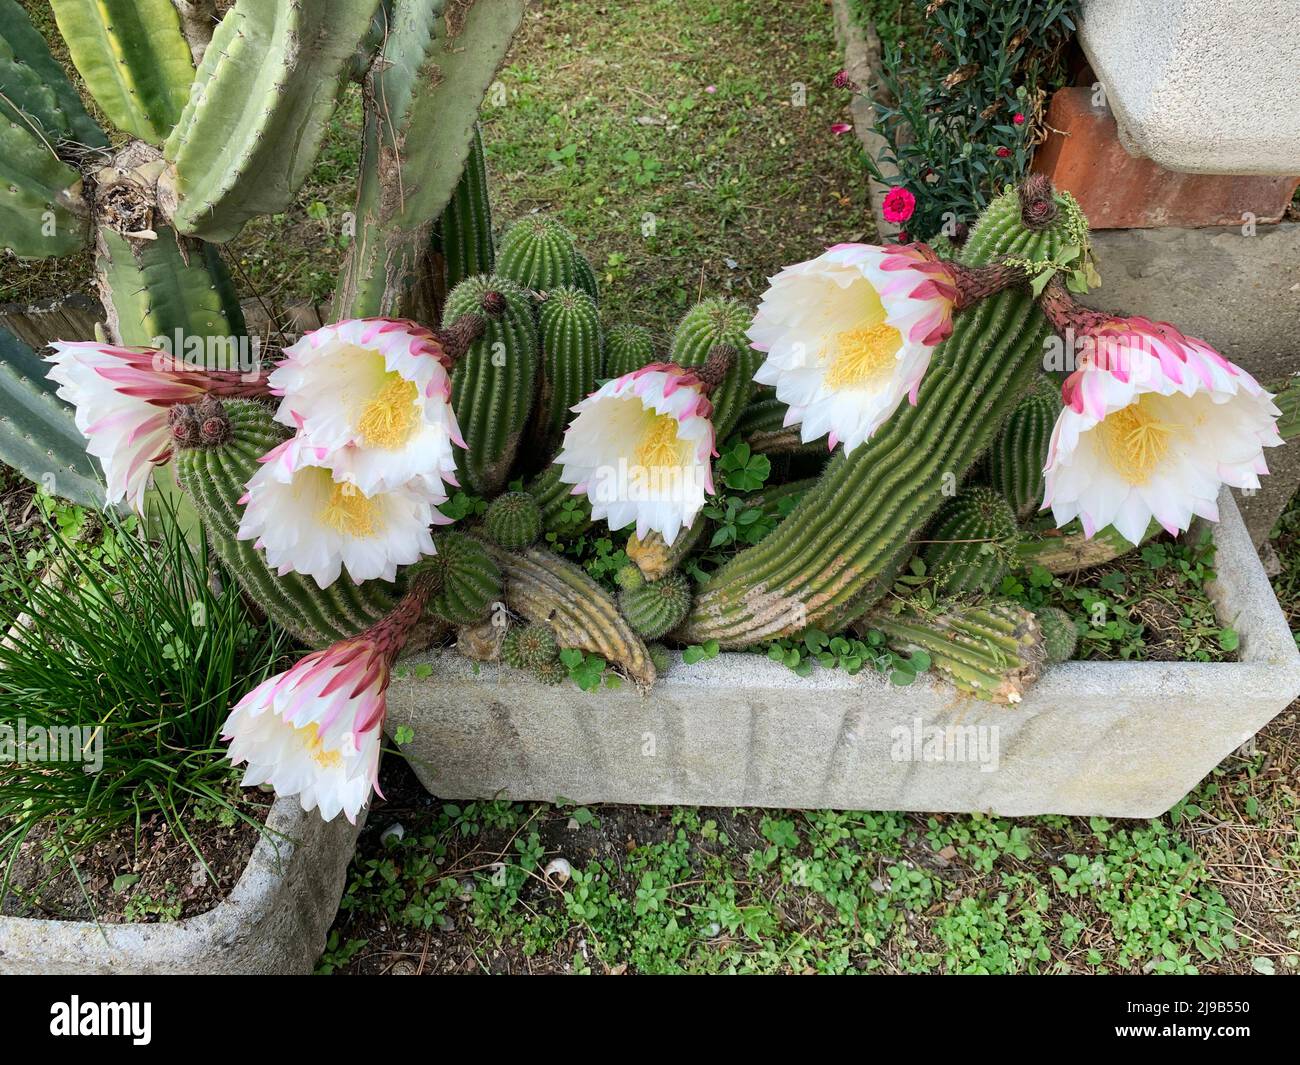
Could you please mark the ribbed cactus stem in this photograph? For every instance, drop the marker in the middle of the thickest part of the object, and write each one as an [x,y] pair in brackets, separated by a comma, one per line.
[993,651]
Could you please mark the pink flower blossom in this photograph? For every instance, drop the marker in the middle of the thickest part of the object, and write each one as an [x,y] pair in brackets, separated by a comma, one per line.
[899,205]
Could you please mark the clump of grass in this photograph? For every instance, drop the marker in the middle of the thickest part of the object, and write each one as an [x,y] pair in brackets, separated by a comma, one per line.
[134,642]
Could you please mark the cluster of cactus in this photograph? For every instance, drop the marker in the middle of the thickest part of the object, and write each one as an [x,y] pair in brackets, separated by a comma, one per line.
[207,115]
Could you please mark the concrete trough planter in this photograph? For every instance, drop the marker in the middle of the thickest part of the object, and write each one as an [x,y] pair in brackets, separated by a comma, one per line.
[1113,739]
[273,922]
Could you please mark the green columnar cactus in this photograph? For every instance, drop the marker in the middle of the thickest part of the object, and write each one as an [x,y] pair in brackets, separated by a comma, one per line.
[628,347]
[585,277]
[166,287]
[563,513]
[269,79]
[762,426]
[972,542]
[495,384]
[570,333]
[134,60]
[654,608]
[538,253]
[422,98]
[38,436]
[33,87]
[545,588]
[1060,634]
[824,563]
[706,325]
[1019,452]
[470,579]
[214,475]
[40,197]
[992,651]
[465,230]
[513,520]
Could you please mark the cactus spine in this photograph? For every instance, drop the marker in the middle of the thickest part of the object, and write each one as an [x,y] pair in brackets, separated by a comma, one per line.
[494,385]
[538,253]
[513,520]
[706,325]
[1019,452]
[822,564]
[214,477]
[134,60]
[270,78]
[972,541]
[570,333]
[992,651]
[628,347]
[470,581]
[545,588]
[654,608]
[1060,634]
[465,231]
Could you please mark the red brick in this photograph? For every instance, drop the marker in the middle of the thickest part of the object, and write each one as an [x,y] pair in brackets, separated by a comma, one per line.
[1121,191]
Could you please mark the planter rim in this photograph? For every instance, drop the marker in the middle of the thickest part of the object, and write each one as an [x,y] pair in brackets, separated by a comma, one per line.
[1121,739]
[292,855]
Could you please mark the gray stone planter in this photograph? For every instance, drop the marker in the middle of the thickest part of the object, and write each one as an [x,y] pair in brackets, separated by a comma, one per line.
[274,921]
[1107,738]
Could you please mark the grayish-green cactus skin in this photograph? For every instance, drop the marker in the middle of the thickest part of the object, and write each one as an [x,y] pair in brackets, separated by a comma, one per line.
[423,95]
[258,111]
[38,436]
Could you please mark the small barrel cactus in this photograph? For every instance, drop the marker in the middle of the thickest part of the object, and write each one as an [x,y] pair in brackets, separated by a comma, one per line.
[628,347]
[1060,634]
[654,608]
[470,579]
[971,543]
[538,253]
[529,647]
[570,334]
[513,520]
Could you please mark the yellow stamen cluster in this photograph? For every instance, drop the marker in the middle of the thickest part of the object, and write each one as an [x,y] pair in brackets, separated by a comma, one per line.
[1136,439]
[350,512]
[389,418]
[659,446]
[310,734]
[862,355]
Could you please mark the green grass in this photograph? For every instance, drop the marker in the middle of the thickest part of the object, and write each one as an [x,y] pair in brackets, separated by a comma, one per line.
[140,642]
[687,119]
